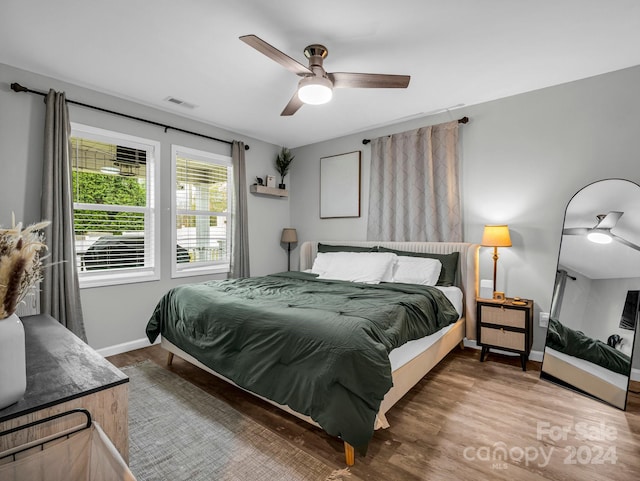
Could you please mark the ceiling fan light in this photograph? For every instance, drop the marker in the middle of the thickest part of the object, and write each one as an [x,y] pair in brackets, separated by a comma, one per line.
[315,90]
[599,237]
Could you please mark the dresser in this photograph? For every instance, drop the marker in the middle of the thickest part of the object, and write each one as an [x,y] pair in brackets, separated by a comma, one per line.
[507,325]
[64,373]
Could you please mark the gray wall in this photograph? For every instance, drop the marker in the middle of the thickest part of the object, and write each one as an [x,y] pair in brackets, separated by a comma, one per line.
[118,314]
[606,301]
[594,306]
[522,159]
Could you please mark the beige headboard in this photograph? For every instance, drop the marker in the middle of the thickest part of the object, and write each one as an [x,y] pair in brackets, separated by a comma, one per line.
[466,276]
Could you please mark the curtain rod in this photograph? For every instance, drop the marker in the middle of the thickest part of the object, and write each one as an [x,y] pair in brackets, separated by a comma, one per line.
[16,87]
[463,120]
[566,274]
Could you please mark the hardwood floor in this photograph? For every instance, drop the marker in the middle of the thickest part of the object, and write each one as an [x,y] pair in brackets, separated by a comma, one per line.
[465,420]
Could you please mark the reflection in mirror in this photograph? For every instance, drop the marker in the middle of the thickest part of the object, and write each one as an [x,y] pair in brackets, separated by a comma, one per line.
[594,310]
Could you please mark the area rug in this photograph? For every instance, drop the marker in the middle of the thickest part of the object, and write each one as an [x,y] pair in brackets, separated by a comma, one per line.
[179,432]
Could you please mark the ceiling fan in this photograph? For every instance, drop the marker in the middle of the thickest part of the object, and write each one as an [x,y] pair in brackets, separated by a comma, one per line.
[601,232]
[316,85]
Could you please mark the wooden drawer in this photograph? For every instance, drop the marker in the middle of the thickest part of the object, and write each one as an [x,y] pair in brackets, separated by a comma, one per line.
[64,373]
[503,338]
[505,324]
[503,317]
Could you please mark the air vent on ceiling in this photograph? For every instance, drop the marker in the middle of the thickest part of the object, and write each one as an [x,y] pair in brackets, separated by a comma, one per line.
[181,103]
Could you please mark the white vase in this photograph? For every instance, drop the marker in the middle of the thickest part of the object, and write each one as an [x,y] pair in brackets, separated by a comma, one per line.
[13,368]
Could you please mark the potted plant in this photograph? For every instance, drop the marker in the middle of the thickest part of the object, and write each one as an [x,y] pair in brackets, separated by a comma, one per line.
[20,270]
[283,162]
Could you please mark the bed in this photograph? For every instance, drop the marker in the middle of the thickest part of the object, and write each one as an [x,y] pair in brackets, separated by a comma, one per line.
[408,363]
[586,363]
[586,376]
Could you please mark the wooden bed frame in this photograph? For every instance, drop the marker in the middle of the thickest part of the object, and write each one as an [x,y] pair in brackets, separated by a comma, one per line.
[413,371]
[587,382]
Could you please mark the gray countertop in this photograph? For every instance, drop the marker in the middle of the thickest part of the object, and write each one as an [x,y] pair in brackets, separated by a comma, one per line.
[60,367]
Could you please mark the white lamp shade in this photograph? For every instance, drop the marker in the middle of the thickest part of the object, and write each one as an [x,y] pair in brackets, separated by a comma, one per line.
[315,90]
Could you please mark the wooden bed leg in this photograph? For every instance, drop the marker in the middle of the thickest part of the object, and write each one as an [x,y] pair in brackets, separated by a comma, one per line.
[462,345]
[169,359]
[349,454]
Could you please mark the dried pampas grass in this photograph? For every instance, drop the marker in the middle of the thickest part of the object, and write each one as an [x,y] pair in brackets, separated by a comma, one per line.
[20,263]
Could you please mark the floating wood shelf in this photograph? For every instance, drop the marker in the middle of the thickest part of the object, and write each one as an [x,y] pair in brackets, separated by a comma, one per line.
[261,189]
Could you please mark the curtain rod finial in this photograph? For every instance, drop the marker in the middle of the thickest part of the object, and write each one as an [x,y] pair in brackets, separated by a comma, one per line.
[16,87]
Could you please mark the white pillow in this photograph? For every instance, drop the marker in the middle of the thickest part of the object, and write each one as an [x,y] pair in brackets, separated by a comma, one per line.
[388,274]
[417,270]
[368,267]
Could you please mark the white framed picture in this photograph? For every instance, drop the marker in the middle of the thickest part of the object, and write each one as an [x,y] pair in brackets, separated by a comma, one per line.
[271,181]
[340,185]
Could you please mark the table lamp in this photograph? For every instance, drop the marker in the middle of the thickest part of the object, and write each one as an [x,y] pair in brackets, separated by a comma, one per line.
[289,236]
[496,236]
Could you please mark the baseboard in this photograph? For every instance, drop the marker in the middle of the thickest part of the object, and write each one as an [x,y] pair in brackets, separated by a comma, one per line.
[126,347]
[533,355]
[537,356]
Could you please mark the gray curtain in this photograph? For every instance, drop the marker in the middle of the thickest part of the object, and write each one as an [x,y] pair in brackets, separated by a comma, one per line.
[60,294]
[239,218]
[558,293]
[414,187]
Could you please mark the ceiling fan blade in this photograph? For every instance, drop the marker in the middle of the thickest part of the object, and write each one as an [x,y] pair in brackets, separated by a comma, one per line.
[292,107]
[610,220]
[347,80]
[275,54]
[575,231]
[625,242]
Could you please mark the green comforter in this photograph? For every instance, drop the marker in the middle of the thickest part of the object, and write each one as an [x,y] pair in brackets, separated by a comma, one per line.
[320,347]
[577,344]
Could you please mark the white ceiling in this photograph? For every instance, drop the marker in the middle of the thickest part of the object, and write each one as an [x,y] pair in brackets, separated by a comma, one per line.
[603,261]
[457,52]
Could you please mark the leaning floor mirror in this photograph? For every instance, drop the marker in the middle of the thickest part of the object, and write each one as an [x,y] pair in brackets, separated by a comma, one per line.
[594,310]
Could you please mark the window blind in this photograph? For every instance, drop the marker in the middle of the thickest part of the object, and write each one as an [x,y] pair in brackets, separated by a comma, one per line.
[201,209]
[113,203]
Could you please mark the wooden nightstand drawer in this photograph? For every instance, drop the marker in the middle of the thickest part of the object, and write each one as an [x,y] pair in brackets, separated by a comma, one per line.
[502,338]
[503,317]
[505,324]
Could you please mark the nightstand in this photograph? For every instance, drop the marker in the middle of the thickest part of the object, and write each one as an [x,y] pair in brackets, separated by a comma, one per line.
[505,325]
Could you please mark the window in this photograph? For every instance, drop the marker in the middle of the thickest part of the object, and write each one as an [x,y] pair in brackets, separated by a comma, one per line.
[113,201]
[201,212]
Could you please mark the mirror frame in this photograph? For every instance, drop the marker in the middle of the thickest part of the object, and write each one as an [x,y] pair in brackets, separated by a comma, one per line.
[566,383]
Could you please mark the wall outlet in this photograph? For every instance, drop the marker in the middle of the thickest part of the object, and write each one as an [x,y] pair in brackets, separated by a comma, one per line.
[486,289]
[544,319]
